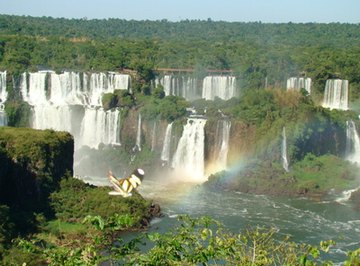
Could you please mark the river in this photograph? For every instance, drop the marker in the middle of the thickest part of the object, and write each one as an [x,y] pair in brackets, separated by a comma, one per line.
[304,220]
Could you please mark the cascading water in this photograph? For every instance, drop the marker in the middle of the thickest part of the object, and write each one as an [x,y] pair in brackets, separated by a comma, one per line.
[3,92]
[66,102]
[336,94]
[184,86]
[222,144]
[188,159]
[138,135]
[352,143]
[165,154]
[295,83]
[3,98]
[223,87]
[284,157]
[99,126]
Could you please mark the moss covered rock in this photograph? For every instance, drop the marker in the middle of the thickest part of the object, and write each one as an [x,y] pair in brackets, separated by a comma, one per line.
[32,164]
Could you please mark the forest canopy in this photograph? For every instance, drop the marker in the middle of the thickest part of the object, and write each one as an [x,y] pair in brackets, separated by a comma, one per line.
[259,54]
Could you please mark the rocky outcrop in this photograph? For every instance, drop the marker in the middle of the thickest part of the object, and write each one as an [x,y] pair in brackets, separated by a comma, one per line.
[32,164]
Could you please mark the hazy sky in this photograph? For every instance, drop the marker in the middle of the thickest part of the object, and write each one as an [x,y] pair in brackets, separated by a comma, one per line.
[345,11]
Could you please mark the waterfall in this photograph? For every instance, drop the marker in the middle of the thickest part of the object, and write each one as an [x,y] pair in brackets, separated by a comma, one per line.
[99,126]
[352,143]
[33,88]
[285,162]
[3,98]
[336,94]
[138,134]
[295,83]
[188,159]
[3,117]
[165,154]
[222,143]
[223,87]
[184,86]
[3,92]
[66,102]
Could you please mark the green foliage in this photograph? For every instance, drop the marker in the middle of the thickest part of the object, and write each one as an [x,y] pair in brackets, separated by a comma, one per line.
[168,108]
[322,173]
[274,52]
[18,113]
[120,98]
[75,200]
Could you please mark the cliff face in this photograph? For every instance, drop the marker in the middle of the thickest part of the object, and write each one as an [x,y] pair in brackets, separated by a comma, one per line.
[32,164]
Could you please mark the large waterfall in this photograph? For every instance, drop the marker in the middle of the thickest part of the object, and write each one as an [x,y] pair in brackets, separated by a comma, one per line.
[295,83]
[165,153]
[352,142]
[223,87]
[284,155]
[192,88]
[71,102]
[188,159]
[184,86]
[336,94]
[3,97]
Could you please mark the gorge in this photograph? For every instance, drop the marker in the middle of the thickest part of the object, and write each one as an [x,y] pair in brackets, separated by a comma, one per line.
[199,146]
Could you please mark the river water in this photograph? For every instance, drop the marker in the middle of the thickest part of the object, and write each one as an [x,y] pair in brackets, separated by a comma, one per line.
[304,220]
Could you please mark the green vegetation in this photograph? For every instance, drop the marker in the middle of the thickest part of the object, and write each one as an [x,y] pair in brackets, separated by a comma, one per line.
[313,177]
[194,241]
[254,51]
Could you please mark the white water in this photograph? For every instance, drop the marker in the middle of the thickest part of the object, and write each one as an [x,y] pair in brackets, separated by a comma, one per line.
[183,86]
[165,154]
[284,157]
[138,134]
[223,87]
[3,98]
[189,155]
[304,220]
[352,143]
[99,126]
[336,94]
[296,83]
[3,92]
[222,143]
[66,102]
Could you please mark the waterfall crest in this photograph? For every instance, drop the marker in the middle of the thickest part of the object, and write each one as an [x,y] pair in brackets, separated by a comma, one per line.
[188,159]
[223,87]
[184,86]
[295,83]
[336,94]
[352,143]
[192,88]
[71,102]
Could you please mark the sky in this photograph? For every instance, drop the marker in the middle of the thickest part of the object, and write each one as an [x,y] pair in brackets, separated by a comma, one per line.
[273,11]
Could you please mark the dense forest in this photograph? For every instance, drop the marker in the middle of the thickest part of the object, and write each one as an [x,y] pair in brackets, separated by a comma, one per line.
[259,54]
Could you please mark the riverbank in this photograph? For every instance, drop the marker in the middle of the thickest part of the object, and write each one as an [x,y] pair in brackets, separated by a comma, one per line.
[315,178]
